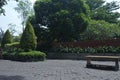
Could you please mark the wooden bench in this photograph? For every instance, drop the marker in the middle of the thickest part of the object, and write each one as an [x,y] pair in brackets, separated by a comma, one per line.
[113,58]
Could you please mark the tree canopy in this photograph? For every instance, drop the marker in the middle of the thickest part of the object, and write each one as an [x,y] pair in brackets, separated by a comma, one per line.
[100,30]
[104,11]
[65,19]
[24,9]
[2,3]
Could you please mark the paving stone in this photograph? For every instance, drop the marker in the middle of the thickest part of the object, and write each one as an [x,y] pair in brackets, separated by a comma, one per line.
[54,70]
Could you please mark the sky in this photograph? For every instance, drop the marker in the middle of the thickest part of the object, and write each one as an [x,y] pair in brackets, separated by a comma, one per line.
[12,17]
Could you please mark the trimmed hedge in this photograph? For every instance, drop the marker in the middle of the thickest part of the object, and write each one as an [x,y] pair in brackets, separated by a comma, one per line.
[25,56]
[104,49]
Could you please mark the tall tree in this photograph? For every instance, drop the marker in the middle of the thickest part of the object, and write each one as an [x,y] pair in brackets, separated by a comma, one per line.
[94,4]
[12,28]
[100,30]
[65,19]
[40,31]
[2,3]
[102,11]
[24,8]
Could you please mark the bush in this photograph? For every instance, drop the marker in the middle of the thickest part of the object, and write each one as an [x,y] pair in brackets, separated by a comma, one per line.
[28,40]
[31,56]
[103,49]
[12,47]
[9,56]
[25,56]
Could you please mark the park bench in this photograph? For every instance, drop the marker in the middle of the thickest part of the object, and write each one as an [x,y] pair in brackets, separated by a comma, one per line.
[98,66]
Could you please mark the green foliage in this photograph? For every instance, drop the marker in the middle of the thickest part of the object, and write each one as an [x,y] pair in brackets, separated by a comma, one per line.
[13,44]
[31,19]
[28,39]
[13,52]
[16,38]
[99,30]
[8,56]
[25,56]
[94,4]
[3,3]
[101,49]
[24,9]
[7,38]
[65,19]
[31,56]
[104,11]
[41,32]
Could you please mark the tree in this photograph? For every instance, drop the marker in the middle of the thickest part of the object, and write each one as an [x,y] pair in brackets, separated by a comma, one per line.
[65,19]
[28,39]
[94,4]
[101,11]
[2,3]
[12,28]
[100,30]
[24,9]
[7,38]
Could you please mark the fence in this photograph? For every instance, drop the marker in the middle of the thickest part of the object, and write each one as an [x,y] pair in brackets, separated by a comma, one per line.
[92,43]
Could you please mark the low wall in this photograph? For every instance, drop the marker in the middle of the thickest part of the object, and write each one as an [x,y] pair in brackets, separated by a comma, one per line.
[91,43]
[76,56]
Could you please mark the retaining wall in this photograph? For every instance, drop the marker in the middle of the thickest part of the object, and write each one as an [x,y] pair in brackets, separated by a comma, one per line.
[77,56]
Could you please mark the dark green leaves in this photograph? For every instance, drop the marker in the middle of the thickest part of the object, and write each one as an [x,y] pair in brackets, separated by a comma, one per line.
[61,19]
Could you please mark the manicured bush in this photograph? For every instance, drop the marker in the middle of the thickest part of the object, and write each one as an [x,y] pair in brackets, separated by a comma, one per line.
[25,56]
[12,47]
[7,38]
[28,40]
[8,56]
[103,49]
[31,56]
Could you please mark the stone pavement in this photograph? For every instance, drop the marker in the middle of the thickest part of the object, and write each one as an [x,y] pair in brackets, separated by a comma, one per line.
[54,70]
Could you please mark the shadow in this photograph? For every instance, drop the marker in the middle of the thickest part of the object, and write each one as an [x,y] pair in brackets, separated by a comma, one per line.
[102,67]
[4,77]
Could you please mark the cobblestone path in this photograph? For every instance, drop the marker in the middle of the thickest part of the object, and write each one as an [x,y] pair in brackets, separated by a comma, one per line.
[54,70]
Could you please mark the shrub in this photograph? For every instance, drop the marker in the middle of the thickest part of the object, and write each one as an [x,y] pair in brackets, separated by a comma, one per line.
[101,49]
[25,56]
[9,56]
[28,40]
[31,56]
[7,38]
[12,47]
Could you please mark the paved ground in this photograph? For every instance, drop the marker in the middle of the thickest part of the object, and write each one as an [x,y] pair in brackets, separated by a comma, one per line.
[54,70]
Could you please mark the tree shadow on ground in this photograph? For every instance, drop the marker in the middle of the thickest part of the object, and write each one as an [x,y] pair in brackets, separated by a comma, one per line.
[4,77]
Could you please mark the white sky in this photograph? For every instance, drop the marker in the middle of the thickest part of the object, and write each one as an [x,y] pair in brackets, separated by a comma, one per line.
[12,16]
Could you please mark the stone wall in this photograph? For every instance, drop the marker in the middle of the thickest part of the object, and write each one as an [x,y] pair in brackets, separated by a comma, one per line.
[76,56]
